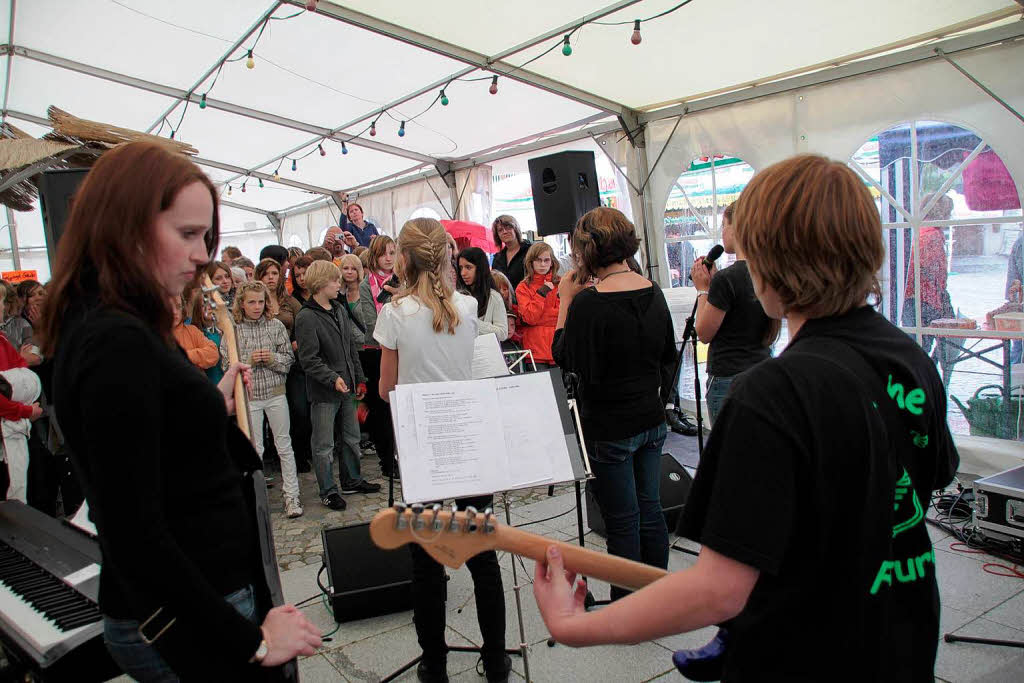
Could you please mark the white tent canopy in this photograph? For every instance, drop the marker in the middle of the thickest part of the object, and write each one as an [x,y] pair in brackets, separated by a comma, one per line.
[322,77]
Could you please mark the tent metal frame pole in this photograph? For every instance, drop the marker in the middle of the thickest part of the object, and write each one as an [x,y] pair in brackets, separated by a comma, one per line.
[231,168]
[248,112]
[970,41]
[10,61]
[975,81]
[243,207]
[493,64]
[12,232]
[647,211]
[265,17]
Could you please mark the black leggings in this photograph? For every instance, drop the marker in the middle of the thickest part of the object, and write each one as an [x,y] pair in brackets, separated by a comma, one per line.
[430,593]
[378,422]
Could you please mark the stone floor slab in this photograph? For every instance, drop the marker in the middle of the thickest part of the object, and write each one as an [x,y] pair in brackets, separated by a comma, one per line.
[1010,613]
[965,586]
[373,658]
[974,663]
[318,669]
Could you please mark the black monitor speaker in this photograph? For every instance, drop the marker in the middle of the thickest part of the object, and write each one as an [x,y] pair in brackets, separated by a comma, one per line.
[56,188]
[564,188]
[675,489]
[365,581]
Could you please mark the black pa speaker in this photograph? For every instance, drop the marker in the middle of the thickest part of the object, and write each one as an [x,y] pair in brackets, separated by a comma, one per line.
[56,188]
[564,188]
[675,488]
[366,581]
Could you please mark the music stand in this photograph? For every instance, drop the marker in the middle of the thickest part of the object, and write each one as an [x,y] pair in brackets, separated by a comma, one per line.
[580,464]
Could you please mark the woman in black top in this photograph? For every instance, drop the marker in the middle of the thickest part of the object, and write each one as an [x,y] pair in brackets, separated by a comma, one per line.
[509,260]
[730,319]
[159,459]
[617,337]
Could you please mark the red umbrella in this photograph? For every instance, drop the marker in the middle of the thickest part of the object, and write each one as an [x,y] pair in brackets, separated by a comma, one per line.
[469,234]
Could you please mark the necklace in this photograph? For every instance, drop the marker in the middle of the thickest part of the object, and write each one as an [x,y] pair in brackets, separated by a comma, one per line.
[617,272]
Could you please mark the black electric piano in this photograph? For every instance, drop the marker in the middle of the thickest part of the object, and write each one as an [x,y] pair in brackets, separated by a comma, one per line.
[50,623]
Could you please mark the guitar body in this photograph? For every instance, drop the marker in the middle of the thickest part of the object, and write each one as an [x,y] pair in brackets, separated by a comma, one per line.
[270,594]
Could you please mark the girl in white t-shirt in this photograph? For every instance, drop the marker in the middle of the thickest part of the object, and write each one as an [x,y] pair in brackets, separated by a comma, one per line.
[426,334]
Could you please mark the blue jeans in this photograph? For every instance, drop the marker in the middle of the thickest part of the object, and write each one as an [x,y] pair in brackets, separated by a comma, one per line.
[142,662]
[627,487]
[717,390]
[325,443]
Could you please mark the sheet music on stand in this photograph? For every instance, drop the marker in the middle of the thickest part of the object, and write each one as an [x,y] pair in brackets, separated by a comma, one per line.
[475,437]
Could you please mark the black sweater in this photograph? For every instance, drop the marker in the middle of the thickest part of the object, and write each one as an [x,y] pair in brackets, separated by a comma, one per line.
[150,437]
[516,270]
[622,346]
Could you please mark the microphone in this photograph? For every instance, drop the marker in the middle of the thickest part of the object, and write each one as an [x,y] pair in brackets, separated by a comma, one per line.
[710,259]
[713,255]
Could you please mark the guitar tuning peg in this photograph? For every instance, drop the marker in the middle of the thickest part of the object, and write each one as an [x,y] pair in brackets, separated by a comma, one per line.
[489,521]
[400,522]
[453,523]
[436,523]
[417,521]
[470,521]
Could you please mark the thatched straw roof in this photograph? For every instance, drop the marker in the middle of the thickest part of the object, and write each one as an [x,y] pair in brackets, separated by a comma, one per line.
[73,143]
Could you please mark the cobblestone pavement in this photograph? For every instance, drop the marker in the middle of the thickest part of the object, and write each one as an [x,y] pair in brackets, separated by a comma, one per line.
[298,540]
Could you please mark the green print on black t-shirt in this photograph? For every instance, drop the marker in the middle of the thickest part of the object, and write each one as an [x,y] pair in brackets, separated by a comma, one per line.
[907,505]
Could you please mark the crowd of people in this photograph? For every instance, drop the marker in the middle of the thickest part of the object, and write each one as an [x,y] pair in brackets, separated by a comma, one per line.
[128,347]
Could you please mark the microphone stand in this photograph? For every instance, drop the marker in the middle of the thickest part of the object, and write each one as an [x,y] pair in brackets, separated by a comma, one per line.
[690,335]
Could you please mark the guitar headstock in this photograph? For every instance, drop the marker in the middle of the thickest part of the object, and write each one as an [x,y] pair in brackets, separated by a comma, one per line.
[211,293]
[450,536]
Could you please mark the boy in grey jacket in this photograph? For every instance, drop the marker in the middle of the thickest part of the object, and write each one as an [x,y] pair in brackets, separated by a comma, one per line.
[334,377]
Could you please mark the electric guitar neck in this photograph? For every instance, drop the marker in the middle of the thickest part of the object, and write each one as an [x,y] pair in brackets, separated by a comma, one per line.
[227,327]
[452,537]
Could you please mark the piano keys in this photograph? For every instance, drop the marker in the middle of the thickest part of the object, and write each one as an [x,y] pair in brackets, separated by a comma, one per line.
[50,621]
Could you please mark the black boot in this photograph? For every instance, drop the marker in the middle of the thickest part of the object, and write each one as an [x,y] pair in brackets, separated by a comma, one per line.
[679,423]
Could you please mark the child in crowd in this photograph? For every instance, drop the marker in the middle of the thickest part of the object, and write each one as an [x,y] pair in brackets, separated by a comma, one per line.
[204,318]
[538,302]
[263,343]
[475,280]
[16,412]
[334,376]
[246,265]
[433,330]
[221,277]
[508,297]
[201,351]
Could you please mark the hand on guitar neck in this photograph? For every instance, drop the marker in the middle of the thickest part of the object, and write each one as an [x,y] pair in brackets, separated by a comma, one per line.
[714,590]
[227,383]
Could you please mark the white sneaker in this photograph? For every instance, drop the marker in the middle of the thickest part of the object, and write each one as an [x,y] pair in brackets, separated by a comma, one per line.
[292,508]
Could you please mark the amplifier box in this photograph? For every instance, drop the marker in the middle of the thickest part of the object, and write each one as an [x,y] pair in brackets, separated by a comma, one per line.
[999,502]
[366,581]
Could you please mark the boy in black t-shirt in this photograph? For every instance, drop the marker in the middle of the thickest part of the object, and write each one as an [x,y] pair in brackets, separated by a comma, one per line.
[810,496]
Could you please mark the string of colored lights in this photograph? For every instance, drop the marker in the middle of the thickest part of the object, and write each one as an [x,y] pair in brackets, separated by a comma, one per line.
[442,97]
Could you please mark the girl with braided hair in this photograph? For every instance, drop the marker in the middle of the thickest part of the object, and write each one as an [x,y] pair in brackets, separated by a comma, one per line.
[432,328]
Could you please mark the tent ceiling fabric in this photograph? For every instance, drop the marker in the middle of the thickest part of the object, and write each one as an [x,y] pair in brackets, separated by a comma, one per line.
[320,71]
[702,47]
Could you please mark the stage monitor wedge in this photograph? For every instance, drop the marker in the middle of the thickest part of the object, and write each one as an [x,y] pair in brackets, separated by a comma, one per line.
[365,581]
[564,188]
[56,189]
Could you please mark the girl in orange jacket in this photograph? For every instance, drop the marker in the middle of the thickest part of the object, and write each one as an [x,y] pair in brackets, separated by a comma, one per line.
[538,302]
